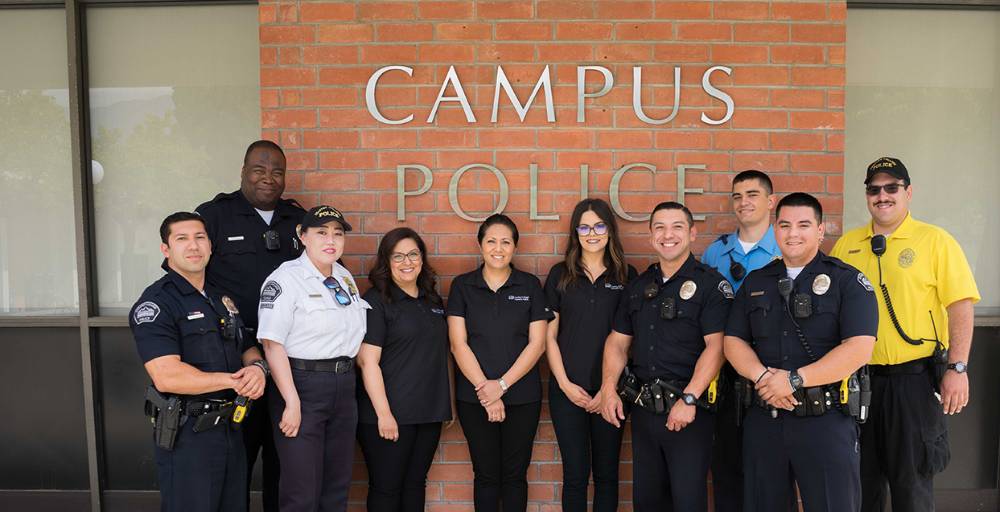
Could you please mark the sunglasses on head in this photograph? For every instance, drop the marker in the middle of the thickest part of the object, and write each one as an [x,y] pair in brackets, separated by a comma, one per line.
[343,298]
[890,188]
[598,229]
[398,257]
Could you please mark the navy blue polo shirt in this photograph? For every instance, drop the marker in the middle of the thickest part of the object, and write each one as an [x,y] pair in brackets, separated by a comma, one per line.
[240,259]
[843,306]
[586,311]
[171,317]
[669,348]
[413,335]
[497,326]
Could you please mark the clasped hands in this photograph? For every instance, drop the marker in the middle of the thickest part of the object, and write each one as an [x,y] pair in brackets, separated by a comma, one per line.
[489,393]
[774,387]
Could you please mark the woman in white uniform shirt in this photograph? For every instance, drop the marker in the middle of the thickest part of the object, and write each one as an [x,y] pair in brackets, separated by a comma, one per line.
[312,321]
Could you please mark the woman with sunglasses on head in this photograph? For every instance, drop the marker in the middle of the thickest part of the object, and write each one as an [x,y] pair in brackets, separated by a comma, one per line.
[404,366]
[583,292]
[311,323]
[496,322]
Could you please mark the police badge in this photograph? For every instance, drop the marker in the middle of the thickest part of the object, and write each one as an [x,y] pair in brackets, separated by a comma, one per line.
[230,305]
[688,289]
[821,284]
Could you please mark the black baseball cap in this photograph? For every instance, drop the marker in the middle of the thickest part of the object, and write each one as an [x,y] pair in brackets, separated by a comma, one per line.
[889,165]
[320,215]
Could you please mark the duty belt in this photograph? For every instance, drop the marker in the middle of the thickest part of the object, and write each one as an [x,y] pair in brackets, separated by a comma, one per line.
[917,366]
[657,396]
[335,365]
[197,407]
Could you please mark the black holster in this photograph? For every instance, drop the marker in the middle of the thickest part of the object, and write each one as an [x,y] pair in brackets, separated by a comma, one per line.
[629,388]
[167,415]
[743,393]
[938,365]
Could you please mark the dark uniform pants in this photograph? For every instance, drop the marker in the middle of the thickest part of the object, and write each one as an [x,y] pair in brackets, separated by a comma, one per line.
[397,470]
[205,472]
[820,453]
[257,438]
[316,464]
[727,456]
[903,444]
[671,468]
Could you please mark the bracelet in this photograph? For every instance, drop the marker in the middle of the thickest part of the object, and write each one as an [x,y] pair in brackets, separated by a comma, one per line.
[503,385]
[766,371]
[260,363]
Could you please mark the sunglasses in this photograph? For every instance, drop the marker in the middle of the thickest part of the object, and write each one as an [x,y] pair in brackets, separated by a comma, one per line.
[890,188]
[343,298]
[598,229]
[398,257]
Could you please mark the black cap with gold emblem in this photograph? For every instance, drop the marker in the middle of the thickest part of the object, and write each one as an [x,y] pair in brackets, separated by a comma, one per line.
[891,166]
[320,215]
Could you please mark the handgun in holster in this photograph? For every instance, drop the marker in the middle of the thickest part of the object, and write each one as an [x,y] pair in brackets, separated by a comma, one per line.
[167,415]
[629,388]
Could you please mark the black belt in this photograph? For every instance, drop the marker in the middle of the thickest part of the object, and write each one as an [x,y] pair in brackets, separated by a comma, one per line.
[197,407]
[915,367]
[336,365]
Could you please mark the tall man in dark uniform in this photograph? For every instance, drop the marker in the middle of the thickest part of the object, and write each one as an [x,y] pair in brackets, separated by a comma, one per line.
[672,316]
[799,330]
[188,335]
[253,232]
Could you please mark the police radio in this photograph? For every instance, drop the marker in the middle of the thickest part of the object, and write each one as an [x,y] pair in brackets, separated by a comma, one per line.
[878,248]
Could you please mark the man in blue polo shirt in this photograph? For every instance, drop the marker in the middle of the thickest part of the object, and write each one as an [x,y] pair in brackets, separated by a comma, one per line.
[735,255]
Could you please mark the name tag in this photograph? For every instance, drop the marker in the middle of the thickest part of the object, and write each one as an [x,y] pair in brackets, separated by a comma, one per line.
[519,298]
[437,311]
[235,238]
[315,296]
[853,251]
[757,294]
[614,286]
[196,315]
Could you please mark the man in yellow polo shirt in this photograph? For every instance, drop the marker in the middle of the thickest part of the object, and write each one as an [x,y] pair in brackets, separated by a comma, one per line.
[925,292]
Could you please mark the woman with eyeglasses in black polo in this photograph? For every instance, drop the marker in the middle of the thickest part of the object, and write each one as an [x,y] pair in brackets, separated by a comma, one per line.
[496,322]
[312,320]
[583,292]
[404,365]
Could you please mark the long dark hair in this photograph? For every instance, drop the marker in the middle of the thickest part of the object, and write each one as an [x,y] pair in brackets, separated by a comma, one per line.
[614,255]
[381,274]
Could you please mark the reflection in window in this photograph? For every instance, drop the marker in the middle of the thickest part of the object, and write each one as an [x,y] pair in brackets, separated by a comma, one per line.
[171,113]
[37,239]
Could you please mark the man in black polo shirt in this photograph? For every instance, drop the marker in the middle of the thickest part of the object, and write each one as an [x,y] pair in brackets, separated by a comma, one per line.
[253,232]
[675,313]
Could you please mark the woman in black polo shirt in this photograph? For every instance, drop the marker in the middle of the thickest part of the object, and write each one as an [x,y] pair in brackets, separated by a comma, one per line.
[496,322]
[404,368]
[583,292]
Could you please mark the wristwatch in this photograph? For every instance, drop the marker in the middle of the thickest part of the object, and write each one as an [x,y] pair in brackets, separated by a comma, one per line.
[795,380]
[503,385]
[262,364]
[959,367]
[689,399]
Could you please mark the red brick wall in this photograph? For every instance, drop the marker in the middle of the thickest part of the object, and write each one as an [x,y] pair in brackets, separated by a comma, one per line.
[316,57]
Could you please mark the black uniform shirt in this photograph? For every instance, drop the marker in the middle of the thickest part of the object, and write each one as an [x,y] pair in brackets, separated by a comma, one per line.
[172,318]
[413,334]
[843,305]
[670,348]
[497,326]
[586,311]
[240,260]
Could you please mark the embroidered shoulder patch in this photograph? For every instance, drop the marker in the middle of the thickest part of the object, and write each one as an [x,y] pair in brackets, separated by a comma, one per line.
[270,291]
[863,281]
[146,312]
[726,289]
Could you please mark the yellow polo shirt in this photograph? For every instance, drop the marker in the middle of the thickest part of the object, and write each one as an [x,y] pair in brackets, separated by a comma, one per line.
[925,270]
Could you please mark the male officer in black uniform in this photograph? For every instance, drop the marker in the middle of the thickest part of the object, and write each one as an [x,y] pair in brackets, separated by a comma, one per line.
[252,232]
[800,330]
[675,313]
[189,338]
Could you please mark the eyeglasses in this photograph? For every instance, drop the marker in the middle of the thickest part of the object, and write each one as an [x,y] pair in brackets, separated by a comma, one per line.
[398,257]
[343,298]
[598,229]
[890,188]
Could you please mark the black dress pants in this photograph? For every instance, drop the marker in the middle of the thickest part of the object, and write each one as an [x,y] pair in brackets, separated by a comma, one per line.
[397,470]
[500,454]
[205,472]
[316,464]
[258,439]
[903,444]
[671,468]
[587,443]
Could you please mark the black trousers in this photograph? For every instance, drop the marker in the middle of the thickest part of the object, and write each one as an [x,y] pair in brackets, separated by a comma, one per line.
[258,439]
[727,454]
[587,443]
[316,464]
[820,453]
[205,472]
[397,470]
[500,454]
[671,468]
[903,444]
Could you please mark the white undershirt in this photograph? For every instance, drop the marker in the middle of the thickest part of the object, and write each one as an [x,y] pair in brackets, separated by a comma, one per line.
[747,246]
[794,272]
[267,215]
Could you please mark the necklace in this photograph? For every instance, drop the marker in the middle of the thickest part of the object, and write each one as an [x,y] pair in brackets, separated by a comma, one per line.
[496,286]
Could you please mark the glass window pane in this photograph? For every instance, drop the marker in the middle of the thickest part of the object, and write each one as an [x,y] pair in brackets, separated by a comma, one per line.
[924,86]
[37,238]
[174,102]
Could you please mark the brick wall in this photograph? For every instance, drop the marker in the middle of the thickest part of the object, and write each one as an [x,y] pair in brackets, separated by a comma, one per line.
[316,57]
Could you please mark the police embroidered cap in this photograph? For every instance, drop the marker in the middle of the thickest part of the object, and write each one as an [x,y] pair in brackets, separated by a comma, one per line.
[322,214]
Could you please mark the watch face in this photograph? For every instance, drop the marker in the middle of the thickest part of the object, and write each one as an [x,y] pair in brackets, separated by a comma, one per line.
[960,367]
[689,399]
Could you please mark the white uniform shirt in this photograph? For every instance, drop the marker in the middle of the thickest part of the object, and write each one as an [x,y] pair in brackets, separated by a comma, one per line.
[298,311]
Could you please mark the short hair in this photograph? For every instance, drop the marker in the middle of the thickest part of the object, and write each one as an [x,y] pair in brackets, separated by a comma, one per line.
[672,205]
[497,218]
[801,199]
[268,144]
[174,218]
[754,174]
